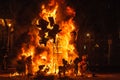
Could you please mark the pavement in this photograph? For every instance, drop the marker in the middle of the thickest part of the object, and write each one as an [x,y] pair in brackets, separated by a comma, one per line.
[98,76]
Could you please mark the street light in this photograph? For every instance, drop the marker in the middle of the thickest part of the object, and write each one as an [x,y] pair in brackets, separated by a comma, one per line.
[9,25]
[88,34]
[87,47]
[10,29]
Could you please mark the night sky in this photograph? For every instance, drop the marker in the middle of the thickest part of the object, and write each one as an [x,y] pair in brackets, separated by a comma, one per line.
[98,15]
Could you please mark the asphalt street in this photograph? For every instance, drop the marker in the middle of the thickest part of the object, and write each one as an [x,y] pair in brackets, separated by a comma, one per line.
[102,76]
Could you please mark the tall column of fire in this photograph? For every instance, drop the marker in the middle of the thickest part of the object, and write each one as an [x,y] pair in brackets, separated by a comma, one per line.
[52,37]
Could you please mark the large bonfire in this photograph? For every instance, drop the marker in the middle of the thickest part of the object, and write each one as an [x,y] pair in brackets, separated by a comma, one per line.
[52,37]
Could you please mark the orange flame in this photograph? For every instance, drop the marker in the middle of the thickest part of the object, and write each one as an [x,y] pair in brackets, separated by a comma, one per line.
[53,53]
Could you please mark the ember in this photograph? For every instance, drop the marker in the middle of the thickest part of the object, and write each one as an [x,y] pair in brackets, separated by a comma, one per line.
[51,40]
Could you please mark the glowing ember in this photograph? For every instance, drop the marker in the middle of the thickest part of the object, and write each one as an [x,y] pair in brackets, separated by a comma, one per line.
[58,39]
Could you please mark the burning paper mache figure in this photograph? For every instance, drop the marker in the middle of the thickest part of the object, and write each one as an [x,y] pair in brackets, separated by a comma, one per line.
[40,72]
[51,38]
[83,67]
[62,69]
[29,65]
[21,66]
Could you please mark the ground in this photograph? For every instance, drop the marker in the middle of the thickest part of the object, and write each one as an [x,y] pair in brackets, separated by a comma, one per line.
[99,76]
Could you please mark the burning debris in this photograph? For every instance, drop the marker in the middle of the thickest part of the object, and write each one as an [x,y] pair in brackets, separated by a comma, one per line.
[51,47]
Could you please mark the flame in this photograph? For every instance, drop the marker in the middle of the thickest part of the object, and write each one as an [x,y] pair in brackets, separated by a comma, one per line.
[70,11]
[48,13]
[63,47]
[67,41]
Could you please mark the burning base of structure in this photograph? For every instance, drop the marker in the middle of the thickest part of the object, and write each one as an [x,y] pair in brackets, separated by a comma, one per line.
[76,69]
